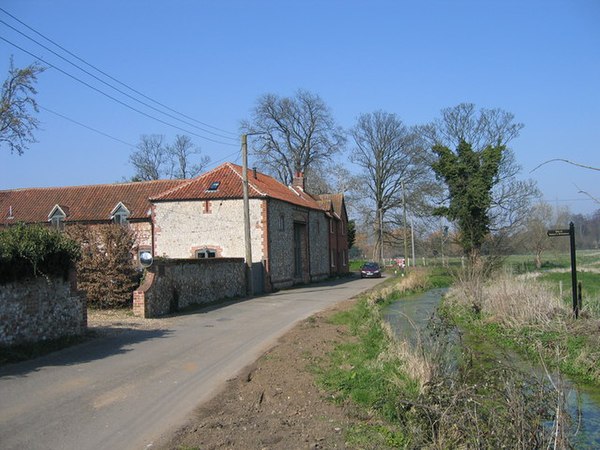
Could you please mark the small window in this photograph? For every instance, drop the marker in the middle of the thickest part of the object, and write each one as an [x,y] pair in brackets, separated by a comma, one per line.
[206,253]
[120,218]
[281,222]
[120,214]
[214,186]
[58,222]
[332,258]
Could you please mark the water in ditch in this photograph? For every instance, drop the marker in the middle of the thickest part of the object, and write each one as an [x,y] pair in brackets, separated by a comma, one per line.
[408,316]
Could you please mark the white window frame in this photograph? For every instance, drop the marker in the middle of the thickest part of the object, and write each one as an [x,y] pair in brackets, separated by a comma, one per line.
[120,214]
[57,218]
[206,253]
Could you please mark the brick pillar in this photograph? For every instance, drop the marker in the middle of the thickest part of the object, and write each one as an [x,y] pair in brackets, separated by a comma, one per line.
[139,296]
[139,303]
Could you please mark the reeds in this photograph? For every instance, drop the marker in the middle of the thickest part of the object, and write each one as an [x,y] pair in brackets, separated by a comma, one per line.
[511,301]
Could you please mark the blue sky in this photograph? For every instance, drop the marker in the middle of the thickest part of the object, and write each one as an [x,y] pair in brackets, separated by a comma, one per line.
[539,60]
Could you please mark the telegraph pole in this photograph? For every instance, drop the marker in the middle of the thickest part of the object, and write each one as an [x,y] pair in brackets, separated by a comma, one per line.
[405,225]
[247,237]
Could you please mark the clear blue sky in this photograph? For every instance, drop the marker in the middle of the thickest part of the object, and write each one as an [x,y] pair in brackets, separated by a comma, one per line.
[539,60]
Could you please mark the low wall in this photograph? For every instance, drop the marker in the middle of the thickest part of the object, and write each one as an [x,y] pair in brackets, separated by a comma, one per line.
[170,285]
[40,309]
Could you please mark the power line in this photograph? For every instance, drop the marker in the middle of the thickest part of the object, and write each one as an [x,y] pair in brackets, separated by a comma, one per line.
[86,126]
[114,98]
[113,87]
[210,164]
[109,76]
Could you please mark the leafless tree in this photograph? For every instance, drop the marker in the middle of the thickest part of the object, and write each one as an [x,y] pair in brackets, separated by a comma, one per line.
[17,107]
[180,155]
[149,158]
[297,133]
[154,158]
[392,161]
[483,128]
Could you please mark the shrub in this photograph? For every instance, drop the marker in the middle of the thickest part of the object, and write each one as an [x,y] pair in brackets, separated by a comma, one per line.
[35,250]
[106,271]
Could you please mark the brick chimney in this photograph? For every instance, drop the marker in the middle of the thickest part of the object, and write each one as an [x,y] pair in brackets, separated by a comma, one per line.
[298,181]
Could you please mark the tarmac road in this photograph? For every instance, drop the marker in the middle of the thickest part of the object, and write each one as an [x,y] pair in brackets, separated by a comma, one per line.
[127,390]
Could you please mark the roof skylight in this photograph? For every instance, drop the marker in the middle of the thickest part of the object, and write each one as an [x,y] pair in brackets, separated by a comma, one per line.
[214,186]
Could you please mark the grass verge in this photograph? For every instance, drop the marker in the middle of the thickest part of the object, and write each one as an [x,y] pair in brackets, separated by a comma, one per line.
[527,315]
[422,397]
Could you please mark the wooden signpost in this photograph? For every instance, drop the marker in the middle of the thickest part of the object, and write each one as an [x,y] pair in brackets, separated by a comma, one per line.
[571,233]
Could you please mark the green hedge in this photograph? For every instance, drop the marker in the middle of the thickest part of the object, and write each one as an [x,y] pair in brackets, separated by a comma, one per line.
[33,250]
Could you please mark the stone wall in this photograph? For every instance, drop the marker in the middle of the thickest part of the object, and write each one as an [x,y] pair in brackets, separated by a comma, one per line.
[41,309]
[170,285]
[314,244]
[319,249]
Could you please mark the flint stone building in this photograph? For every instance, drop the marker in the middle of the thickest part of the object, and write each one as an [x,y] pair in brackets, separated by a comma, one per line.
[296,237]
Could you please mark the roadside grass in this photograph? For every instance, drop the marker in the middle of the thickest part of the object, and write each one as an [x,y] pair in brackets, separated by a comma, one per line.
[356,264]
[356,373]
[418,397]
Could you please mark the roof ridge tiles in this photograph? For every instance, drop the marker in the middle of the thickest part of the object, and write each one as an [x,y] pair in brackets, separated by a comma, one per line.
[80,186]
[250,183]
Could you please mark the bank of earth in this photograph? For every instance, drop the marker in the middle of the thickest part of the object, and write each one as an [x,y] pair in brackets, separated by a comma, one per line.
[275,402]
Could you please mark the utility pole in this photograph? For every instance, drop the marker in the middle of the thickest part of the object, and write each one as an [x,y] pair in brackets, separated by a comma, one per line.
[247,237]
[412,239]
[405,237]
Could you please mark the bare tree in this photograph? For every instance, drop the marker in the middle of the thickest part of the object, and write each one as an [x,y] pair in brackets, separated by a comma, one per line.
[180,155]
[17,105]
[483,129]
[154,158]
[392,161]
[297,133]
[149,158]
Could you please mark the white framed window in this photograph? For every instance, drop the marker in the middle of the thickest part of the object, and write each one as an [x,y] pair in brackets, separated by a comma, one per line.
[120,214]
[206,253]
[57,217]
[58,222]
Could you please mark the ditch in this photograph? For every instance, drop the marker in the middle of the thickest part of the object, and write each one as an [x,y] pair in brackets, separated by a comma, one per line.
[410,319]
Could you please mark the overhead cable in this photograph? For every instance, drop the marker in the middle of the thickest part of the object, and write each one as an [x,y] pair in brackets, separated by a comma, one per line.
[108,75]
[113,87]
[114,98]
[86,126]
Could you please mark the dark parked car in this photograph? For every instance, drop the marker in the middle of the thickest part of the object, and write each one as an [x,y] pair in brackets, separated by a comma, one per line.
[370,270]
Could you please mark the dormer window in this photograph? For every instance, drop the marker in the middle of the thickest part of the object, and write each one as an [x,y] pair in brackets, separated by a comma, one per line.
[57,217]
[120,214]
[214,186]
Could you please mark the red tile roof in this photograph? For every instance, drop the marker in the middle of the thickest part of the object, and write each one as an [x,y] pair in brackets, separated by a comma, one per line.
[229,177]
[332,201]
[81,203]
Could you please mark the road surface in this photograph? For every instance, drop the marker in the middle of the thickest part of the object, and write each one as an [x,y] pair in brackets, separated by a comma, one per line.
[127,390]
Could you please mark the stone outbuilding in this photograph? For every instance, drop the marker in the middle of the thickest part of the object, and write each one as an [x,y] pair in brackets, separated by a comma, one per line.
[296,237]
